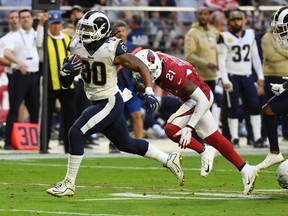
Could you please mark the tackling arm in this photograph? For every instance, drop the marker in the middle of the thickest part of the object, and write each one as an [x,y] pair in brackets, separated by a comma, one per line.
[201,107]
[135,64]
[202,103]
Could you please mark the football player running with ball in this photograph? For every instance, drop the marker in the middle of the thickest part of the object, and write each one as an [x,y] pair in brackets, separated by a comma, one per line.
[180,79]
[278,104]
[100,52]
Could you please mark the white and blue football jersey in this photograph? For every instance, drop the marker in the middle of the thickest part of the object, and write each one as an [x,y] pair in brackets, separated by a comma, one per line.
[98,70]
[237,54]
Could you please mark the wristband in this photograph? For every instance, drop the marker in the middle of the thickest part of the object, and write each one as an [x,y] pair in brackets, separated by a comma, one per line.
[149,90]
[189,127]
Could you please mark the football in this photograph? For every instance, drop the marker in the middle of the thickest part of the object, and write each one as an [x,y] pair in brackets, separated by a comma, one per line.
[282,174]
[76,59]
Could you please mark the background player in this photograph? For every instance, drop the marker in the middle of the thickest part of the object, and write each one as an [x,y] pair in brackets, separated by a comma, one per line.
[237,52]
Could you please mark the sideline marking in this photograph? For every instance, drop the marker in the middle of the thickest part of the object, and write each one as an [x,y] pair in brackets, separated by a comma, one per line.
[52,212]
[166,190]
[22,163]
[199,196]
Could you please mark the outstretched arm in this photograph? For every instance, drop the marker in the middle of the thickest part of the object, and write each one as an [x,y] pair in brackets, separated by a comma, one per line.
[201,107]
[135,64]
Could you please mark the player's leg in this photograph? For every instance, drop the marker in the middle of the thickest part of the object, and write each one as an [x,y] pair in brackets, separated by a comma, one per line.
[179,120]
[251,103]
[277,105]
[232,117]
[118,133]
[93,119]
[208,130]
[18,88]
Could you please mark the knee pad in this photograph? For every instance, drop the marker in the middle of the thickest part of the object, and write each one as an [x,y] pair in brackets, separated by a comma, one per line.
[171,130]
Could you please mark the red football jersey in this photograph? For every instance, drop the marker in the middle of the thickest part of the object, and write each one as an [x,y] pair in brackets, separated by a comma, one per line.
[175,74]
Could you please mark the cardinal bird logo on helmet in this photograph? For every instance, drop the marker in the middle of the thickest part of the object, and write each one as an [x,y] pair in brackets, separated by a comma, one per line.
[150,57]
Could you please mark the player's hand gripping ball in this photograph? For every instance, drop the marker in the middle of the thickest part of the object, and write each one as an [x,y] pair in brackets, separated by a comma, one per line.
[71,65]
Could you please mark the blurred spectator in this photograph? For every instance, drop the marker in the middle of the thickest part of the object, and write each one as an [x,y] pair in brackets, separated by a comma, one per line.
[57,44]
[13,23]
[187,17]
[16,2]
[201,47]
[137,34]
[22,51]
[166,24]
[113,15]
[6,3]
[222,5]
[133,3]
[6,72]
[86,4]
[125,80]
[76,13]
[218,20]
[256,19]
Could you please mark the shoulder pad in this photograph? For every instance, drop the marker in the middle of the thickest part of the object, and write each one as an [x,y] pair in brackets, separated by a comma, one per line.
[74,41]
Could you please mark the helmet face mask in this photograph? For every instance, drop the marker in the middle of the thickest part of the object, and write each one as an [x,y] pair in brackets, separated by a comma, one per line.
[280,31]
[152,61]
[139,81]
[279,25]
[93,26]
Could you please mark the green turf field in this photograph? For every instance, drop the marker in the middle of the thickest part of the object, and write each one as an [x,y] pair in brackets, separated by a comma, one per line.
[137,186]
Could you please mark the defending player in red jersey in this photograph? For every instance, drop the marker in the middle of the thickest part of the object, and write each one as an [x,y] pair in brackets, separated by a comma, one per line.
[180,79]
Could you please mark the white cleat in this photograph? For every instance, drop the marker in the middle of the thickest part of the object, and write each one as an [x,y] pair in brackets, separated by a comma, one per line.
[63,188]
[270,160]
[174,164]
[207,158]
[249,175]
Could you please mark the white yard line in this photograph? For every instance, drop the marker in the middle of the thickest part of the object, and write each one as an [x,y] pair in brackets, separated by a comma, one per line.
[173,191]
[54,212]
[25,163]
[195,196]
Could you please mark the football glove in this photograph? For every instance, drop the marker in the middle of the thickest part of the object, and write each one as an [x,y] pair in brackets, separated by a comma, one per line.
[277,89]
[150,99]
[70,67]
[186,135]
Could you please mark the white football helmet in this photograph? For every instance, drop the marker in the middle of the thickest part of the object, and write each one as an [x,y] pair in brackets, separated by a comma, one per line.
[93,26]
[282,174]
[279,24]
[152,61]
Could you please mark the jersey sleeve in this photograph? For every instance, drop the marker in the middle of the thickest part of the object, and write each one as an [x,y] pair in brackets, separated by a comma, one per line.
[72,44]
[222,55]
[121,48]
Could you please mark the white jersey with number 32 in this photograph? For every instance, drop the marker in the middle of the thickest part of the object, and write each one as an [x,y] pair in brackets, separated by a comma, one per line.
[239,58]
